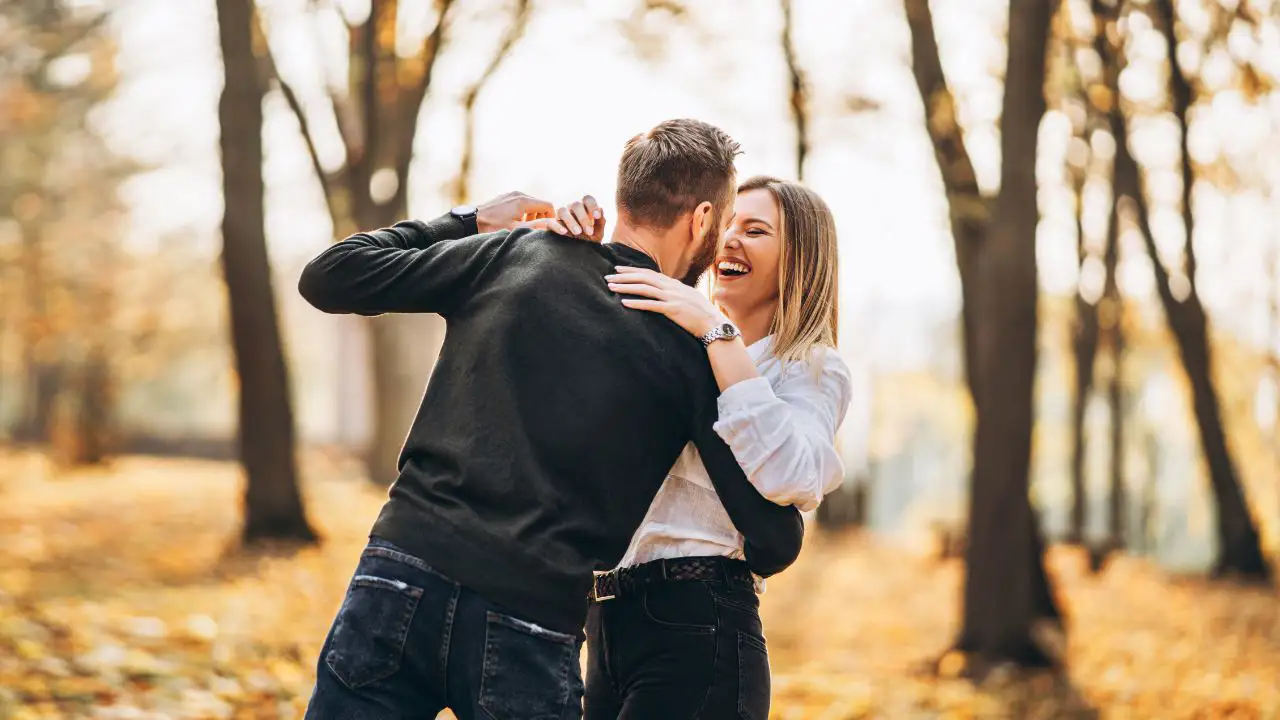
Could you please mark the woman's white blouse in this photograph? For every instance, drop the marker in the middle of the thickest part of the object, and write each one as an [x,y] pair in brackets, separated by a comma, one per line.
[781,428]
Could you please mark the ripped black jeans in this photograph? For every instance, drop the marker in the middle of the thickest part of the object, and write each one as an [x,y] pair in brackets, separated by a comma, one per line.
[678,649]
[409,642]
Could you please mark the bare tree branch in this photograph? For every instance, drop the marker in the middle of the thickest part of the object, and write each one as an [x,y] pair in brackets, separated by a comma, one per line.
[519,23]
[366,61]
[1182,98]
[411,102]
[969,210]
[325,179]
[797,96]
[37,74]
[271,74]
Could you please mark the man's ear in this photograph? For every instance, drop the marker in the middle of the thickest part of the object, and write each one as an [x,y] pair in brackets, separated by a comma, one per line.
[702,221]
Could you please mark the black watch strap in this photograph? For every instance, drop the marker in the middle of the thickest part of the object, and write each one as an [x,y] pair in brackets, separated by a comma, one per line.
[466,214]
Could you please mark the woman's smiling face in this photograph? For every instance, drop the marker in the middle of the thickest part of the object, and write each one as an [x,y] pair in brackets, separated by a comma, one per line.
[746,267]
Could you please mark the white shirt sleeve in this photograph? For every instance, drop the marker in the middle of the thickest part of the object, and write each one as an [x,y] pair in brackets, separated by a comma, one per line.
[784,437]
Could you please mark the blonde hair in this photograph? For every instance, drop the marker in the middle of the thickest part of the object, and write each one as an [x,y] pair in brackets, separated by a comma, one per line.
[807,315]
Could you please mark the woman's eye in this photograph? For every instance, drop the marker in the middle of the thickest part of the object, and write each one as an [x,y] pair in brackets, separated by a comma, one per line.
[755,231]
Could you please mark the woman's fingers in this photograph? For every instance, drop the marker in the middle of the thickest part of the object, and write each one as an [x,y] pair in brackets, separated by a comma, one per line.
[642,289]
[645,274]
[650,305]
[583,217]
[551,224]
[639,272]
[565,216]
[633,280]
[597,216]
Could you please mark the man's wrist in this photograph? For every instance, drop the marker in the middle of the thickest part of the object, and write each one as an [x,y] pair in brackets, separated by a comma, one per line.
[469,216]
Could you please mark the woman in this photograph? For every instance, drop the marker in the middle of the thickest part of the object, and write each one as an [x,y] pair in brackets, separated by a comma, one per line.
[682,638]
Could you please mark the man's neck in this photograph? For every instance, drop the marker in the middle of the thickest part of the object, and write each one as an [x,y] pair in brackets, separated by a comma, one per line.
[658,247]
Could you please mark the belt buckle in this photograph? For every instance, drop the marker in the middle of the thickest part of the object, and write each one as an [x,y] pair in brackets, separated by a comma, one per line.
[596,576]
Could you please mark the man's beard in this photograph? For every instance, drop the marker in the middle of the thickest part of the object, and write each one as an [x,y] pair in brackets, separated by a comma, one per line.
[703,259]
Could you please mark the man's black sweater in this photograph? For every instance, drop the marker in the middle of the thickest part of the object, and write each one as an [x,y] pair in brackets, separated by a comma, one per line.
[551,418]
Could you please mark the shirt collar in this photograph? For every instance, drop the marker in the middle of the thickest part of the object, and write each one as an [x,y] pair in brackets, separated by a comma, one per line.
[760,348]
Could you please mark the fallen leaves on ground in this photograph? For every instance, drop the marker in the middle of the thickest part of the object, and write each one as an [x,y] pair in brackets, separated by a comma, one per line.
[122,595]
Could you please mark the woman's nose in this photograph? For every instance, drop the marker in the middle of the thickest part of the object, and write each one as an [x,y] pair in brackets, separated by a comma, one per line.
[731,241]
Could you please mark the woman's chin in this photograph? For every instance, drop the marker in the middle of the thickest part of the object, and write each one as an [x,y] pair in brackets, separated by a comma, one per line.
[730,298]
[719,296]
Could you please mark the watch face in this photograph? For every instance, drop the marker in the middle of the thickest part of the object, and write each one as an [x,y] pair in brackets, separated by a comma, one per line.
[465,210]
[728,330]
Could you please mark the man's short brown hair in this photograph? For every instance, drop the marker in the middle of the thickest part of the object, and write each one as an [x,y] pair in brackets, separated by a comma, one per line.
[669,170]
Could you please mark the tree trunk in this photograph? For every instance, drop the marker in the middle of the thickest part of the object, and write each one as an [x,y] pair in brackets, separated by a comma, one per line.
[42,367]
[847,506]
[1086,349]
[1115,401]
[94,410]
[43,381]
[1240,550]
[1148,519]
[272,501]
[969,210]
[1005,592]
[377,116]
[1107,319]
[1113,326]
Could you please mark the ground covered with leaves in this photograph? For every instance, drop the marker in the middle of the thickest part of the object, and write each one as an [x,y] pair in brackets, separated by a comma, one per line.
[123,595]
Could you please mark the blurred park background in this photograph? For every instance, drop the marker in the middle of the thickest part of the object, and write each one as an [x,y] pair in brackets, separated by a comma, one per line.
[1060,257]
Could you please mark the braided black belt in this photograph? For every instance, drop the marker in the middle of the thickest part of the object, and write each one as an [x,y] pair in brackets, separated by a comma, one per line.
[616,583]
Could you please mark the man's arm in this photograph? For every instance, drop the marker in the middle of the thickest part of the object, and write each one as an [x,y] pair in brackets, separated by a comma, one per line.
[405,268]
[773,533]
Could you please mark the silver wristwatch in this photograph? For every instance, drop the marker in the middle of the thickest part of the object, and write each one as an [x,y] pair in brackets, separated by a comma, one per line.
[723,331]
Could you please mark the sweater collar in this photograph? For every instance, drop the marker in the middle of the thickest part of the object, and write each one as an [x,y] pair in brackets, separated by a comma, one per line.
[633,256]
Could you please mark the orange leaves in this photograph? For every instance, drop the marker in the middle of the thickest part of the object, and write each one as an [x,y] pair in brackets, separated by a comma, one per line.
[119,598]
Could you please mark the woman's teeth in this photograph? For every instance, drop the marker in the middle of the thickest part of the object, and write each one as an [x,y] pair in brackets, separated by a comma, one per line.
[733,268]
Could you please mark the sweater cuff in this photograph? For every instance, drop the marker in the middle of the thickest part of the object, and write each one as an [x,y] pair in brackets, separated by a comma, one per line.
[451,227]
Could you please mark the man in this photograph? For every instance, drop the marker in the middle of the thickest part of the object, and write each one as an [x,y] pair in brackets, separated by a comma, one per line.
[549,423]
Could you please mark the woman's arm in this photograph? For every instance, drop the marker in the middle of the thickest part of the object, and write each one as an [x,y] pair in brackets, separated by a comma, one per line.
[785,438]
[772,534]
[731,362]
